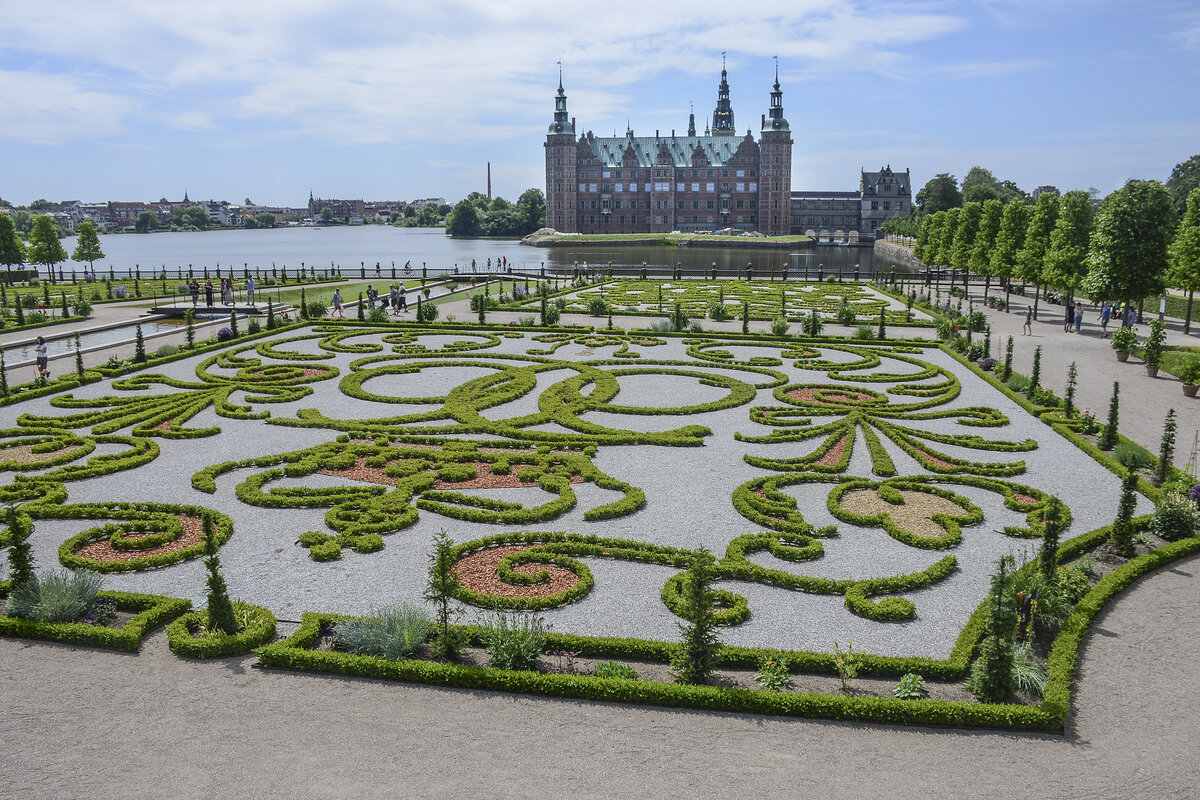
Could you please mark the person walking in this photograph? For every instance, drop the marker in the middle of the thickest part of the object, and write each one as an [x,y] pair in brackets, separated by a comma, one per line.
[194,288]
[250,290]
[337,304]
[41,364]
[1068,317]
[208,292]
[1028,329]
[394,299]
[1105,315]
[403,298]
[1078,316]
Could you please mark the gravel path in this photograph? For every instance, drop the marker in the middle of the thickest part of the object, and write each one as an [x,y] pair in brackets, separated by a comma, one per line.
[82,722]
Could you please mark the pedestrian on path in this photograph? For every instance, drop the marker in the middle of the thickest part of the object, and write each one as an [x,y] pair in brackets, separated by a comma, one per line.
[41,365]
[1105,315]
[194,288]
[1078,317]
[337,304]
[1028,329]
[1068,318]
[403,298]
[250,290]
[208,292]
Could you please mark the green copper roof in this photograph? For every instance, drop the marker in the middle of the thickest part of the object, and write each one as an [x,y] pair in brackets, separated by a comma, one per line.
[610,151]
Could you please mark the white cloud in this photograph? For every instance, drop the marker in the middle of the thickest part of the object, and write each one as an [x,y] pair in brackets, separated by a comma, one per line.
[54,109]
[427,71]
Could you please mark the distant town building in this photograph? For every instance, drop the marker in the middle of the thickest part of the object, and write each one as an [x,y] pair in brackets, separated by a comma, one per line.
[664,183]
[1041,190]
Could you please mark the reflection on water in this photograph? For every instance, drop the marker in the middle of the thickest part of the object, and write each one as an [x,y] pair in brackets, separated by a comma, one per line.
[354,249]
[96,339]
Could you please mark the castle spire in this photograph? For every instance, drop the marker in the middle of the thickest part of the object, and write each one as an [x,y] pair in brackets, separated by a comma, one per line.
[691,119]
[775,121]
[722,124]
[562,123]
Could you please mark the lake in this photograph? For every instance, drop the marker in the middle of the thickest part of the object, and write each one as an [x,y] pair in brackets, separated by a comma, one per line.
[350,247]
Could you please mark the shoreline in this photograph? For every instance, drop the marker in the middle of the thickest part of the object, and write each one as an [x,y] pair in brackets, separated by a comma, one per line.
[667,240]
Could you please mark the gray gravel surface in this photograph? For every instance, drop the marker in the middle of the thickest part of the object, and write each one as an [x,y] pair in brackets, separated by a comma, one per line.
[688,504]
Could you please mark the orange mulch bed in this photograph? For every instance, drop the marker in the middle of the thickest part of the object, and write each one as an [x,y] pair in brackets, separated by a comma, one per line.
[484,479]
[935,461]
[23,453]
[808,394]
[477,572]
[102,550]
[307,372]
[1024,499]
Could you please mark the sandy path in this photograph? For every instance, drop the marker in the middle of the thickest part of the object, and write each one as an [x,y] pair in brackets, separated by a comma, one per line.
[79,722]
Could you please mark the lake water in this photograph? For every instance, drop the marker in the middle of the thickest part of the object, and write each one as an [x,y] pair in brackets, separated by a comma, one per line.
[350,247]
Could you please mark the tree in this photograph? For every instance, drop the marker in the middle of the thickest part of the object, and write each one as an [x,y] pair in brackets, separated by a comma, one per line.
[696,656]
[12,251]
[929,237]
[980,260]
[980,185]
[1066,258]
[87,246]
[531,206]
[220,609]
[464,219]
[1032,258]
[964,234]
[196,217]
[1010,239]
[44,246]
[939,194]
[326,214]
[265,220]
[41,204]
[1185,178]
[1128,254]
[1183,254]
[945,251]
[145,222]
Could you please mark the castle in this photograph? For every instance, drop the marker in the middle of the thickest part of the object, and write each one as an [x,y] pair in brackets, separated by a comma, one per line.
[718,180]
[664,183]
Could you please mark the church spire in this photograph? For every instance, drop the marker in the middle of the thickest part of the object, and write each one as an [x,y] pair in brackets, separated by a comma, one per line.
[722,124]
[562,123]
[691,119]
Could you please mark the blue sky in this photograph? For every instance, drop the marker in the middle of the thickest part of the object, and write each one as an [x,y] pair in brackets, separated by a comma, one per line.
[402,100]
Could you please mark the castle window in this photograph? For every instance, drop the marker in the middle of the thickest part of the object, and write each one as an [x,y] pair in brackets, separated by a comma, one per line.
[606,174]
[741,187]
[741,204]
[710,187]
[695,206]
[679,187]
[887,205]
[709,206]
[591,187]
[710,174]
[741,173]
[620,187]
[753,186]
[753,203]
[680,206]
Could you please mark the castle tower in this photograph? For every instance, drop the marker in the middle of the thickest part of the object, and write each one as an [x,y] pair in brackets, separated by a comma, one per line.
[691,120]
[722,122]
[561,212]
[775,168]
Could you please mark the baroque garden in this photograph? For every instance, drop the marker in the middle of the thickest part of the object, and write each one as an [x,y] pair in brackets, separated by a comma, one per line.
[808,507]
